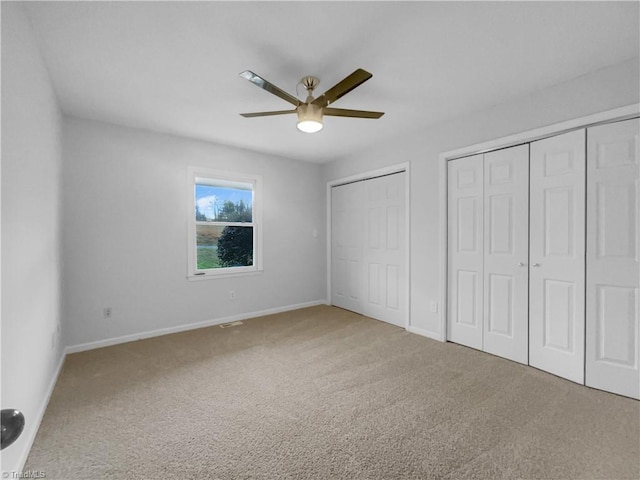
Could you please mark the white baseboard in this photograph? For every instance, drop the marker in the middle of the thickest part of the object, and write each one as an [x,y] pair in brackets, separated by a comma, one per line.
[34,425]
[426,333]
[183,328]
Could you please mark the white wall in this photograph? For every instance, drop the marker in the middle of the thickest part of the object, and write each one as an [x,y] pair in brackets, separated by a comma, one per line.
[125,233]
[31,165]
[602,90]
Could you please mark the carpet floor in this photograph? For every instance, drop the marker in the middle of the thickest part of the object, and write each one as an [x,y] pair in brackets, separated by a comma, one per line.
[322,393]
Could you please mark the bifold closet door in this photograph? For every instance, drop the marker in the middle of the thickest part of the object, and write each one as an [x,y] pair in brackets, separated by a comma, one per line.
[613,270]
[465,250]
[347,212]
[488,235]
[384,248]
[506,253]
[557,255]
[368,250]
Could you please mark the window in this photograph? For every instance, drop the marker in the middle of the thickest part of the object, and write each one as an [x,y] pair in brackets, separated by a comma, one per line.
[224,233]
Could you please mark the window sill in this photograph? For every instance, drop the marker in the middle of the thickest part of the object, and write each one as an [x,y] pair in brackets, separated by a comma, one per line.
[213,276]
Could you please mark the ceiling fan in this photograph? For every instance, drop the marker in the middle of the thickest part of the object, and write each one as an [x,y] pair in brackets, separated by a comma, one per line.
[311,111]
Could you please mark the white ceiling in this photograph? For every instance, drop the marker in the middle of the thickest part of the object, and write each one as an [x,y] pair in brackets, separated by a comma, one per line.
[173,66]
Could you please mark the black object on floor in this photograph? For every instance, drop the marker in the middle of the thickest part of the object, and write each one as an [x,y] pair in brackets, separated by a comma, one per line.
[12,426]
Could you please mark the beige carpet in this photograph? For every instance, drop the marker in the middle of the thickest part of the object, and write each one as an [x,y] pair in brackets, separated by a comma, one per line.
[322,393]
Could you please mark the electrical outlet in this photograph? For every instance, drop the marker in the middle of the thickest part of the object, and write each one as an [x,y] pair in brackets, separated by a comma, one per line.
[434,307]
[106,312]
[232,294]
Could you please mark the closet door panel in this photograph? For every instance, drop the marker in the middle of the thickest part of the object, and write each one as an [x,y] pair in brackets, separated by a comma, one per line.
[613,269]
[557,250]
[465,251]
[506,252]
[347,246]
[384,249]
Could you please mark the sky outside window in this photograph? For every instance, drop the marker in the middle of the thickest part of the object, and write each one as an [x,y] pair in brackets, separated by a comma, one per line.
[210,200]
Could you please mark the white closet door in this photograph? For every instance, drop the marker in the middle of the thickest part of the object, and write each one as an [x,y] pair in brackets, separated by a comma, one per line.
[613,223]
[384,248]
[557,255]
[368,248]
[347,238]
[506,253]
[465,250]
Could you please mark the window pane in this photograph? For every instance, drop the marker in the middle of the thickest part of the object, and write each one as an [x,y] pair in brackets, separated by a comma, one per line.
[207,246]
[219,247]
[235,247]
[223,204]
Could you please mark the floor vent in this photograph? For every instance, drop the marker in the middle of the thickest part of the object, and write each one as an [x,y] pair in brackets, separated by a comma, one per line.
[231,324]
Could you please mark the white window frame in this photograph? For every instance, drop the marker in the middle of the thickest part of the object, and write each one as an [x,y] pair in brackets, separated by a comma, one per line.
[223,178]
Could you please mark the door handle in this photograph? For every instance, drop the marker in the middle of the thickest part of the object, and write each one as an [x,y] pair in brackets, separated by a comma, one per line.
[522,264]
[535,265]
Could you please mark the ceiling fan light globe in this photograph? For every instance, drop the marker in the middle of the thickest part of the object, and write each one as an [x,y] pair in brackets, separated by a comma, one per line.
[309,126]
[309,118]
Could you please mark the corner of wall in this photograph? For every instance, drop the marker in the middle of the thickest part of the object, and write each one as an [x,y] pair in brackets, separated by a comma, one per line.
[32,350]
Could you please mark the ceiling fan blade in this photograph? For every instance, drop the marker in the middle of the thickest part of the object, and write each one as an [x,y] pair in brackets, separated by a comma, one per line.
[267,114]
[342,112]
[343,87]
[269,87]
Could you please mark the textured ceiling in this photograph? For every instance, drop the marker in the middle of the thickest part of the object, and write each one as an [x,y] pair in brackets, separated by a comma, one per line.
[173,66]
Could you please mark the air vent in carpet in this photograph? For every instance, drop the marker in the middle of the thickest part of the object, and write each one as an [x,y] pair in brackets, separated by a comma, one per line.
[230,324]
